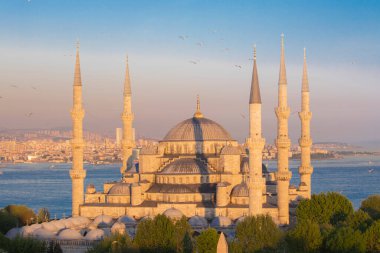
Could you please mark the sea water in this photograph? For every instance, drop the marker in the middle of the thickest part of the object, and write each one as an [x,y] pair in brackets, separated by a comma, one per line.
[49,185]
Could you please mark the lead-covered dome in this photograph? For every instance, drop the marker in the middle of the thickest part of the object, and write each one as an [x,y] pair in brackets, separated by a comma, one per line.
[198,129]
[120,189]
[186,166]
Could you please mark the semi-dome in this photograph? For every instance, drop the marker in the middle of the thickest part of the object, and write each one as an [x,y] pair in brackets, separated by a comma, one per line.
[120,189]
[127,220]
[240,190]
[198,222]
[69,234]
[118,228]
[198,129]
[42,233]
[13,233]
[173,213]
[230,150]
[96,234]
[221,221]
[186,166]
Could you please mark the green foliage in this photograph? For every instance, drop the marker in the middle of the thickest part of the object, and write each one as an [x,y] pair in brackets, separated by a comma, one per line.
[258,233]
[346,240]
[372,236]
[182,228]
[4,242]
[7,221]
[324,208]
[371,205]
[43,215]
[306,237]
[115,243]
[187,244]
[207,241]
[157,235]
[359,220]
[26,245]
[24,214]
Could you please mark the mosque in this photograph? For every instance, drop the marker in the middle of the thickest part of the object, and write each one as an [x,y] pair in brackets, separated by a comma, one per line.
[198,169]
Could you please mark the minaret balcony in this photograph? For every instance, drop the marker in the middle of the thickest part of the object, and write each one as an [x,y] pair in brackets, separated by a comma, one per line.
[255,143]
[77,174]
[305,142]
[304,170]
[283,175]
[305,115]
[283,142]
[127,116]
[282,112]
[77,143]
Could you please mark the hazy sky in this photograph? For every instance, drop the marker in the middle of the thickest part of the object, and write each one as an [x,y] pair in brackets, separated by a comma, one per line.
[37,48]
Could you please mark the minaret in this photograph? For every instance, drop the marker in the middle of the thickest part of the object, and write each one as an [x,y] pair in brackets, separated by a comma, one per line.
[127,116]
[283,174]
[305,170]
[255,144]
[77,173]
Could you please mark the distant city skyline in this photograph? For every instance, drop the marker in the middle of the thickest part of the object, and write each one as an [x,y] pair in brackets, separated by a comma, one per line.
[178,49]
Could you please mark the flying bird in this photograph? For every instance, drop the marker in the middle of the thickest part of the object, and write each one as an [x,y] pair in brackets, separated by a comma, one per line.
[242,115]
[200,44]
[183,37]
[29,114]
[34,88]
[14,86]
[193,62]
[238,66]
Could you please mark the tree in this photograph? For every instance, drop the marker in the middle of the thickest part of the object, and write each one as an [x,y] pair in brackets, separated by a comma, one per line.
[7,221]
[258,233]
[324,208]
[43,215]
[359,220]
[305,237]
[371,205]
[182,228]
[372,236]
[207,241]
[187,244]
[24,214]
[116,243]
[26,245]
[157,235]
[346,240]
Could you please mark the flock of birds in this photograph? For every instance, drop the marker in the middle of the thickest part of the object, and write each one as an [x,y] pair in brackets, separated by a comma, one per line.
[29,114]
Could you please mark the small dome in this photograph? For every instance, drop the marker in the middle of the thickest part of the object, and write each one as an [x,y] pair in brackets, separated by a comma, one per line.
[198,129]
[230,150]
[221,222]
[68,223]
[148,217]
[303,184]
[198,222]
[49,226]
[292,186]
[186,166]
[28,230]
[118,228]
[42,233]
[69,234]
[90,189]
[58,224]
[240,219]
[120,189]
[103,220]
[80,222]
[13,233]
[222,184]
[96,234]
[127,220]
[240,190]
[173,213]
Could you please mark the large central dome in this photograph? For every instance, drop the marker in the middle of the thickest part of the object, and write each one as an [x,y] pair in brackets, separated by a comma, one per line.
[198,129]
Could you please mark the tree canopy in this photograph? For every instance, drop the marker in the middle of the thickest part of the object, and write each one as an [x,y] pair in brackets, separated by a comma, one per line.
[207,241]
[371,205]
[306,237]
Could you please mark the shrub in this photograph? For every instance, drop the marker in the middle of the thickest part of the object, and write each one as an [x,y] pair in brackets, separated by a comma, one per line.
[43,215]
[7,221]
[305,237]
[359,220]
[116,243]
[258,233]
[24,214]
[183,228]
[26,245]
[371,205]
[345,240]
[207,241]
[324,208]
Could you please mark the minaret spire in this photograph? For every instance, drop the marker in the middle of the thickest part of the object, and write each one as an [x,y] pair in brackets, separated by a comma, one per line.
[283,175]
[77,173]
[127,117]
[198,113]
[255,97]
[255,144]
[305,142]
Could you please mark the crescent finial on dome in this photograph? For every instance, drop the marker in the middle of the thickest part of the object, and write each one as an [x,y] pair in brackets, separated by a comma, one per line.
[198,113]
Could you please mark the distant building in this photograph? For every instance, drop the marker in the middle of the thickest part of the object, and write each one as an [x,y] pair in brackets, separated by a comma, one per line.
[119,136]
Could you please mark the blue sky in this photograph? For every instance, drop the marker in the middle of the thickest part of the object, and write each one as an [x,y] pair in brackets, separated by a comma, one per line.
[37,44]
